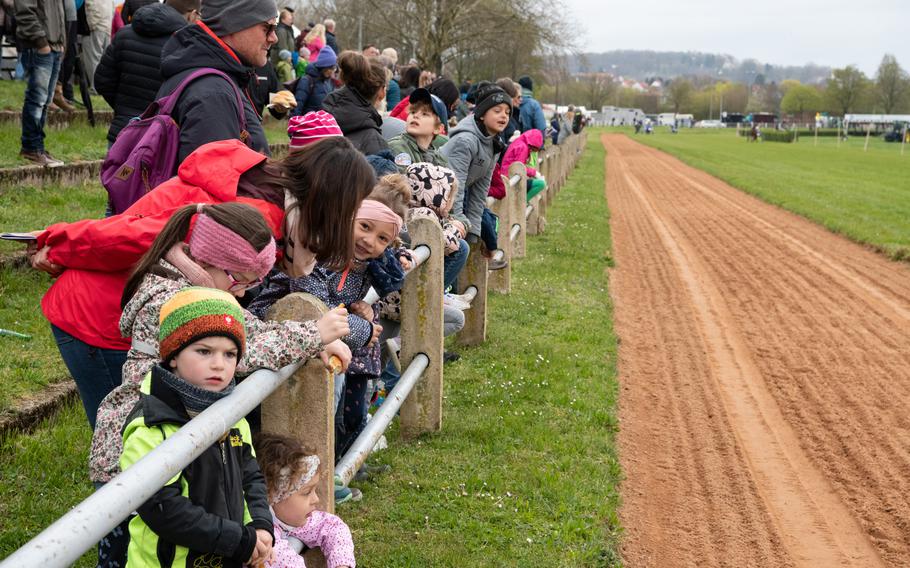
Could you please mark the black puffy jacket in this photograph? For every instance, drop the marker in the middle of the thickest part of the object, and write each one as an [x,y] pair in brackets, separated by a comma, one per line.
[207,110]
[358,120]
[128,76]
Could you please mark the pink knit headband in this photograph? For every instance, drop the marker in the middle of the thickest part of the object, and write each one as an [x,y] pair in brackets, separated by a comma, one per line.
[378,211]
[215,244]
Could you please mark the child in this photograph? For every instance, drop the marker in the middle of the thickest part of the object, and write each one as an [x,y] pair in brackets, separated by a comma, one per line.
[283,68]
[472,151]
[524,149]
[215,512]
[426,120]
[302,60]
[291,474]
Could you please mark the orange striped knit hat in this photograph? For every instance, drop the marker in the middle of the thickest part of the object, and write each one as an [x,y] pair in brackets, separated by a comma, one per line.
[194,313]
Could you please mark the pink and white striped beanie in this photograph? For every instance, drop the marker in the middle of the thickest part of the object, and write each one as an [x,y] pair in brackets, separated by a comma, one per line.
[311,127]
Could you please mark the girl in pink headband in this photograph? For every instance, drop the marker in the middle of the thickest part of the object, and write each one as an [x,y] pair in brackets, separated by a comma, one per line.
[227,246]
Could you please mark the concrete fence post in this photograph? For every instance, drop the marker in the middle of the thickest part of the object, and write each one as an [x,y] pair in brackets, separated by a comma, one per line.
[474,274]
[421,331]
[304,406]
[501,280]
[533,223]
[517,204]
[551,189]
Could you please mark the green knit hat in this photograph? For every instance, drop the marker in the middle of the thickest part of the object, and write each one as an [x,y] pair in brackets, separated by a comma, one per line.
[194,313]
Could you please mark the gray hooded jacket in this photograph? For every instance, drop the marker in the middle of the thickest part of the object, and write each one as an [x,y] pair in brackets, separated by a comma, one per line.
[471,157]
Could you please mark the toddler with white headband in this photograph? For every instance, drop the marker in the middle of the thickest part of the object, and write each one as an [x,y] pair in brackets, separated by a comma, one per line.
[291,474]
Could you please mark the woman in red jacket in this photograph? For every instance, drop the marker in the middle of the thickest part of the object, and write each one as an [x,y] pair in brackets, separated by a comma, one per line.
[322,184]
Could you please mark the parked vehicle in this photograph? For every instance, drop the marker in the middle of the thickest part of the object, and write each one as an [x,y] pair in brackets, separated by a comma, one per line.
[710,124]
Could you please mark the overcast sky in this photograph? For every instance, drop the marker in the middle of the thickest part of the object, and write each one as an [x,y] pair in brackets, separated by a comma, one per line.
[828,32]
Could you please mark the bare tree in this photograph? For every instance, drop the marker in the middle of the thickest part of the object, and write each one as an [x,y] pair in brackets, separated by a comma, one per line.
[891,83]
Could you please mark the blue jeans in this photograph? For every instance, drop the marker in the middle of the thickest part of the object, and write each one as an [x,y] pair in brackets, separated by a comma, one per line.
[41,76]
[96,371]
[453,263]
[489,223]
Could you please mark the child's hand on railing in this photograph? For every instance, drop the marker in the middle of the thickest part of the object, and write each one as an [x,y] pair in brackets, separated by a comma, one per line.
[363,309]
[333,325]
[336,356]
[263,552]
[405,261]
[377,331]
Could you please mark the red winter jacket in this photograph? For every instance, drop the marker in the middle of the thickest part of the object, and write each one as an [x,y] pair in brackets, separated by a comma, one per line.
[99,254]
[518,151]
[401,109]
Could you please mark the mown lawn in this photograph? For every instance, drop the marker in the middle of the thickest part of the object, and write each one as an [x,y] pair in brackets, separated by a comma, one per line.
[863,195]
[12,94]
[524,471]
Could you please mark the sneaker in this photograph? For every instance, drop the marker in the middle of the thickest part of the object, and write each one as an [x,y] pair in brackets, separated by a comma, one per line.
[368,471]
[497,264]
[41,158]
[462,297]
[454,302]
[450,357]
[343,495]
[61,101]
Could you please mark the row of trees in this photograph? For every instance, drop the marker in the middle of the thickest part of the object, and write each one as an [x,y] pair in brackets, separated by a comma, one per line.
[847,90]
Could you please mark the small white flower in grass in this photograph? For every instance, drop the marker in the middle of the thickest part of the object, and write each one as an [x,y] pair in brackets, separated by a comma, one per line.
[529,540]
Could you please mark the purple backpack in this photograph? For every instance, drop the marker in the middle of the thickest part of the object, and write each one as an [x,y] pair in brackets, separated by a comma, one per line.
[145,152]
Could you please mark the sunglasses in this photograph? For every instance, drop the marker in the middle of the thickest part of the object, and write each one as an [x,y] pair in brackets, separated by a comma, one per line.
[270,28]
[237,285]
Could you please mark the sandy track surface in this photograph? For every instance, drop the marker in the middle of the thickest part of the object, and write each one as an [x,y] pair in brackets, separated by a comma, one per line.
[765,376]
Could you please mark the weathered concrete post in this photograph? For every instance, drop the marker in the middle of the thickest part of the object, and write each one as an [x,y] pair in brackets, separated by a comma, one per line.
[304,406]
[474,274]
[421,331]
[517,204]
[533,223]
[501,280]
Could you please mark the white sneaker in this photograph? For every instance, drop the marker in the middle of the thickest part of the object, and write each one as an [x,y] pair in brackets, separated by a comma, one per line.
[455,301]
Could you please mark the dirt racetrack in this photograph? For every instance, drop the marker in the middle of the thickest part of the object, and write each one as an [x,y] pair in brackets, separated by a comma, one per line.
[765,378]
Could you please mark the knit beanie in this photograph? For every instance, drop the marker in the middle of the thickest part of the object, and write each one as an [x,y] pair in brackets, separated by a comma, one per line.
[526,82]
[194,313]
[445,89]
[225,17]
[311,127]
[326,58]
[488,98]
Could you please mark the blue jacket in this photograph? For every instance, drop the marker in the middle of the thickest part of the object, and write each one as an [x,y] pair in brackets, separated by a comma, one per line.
[311,90]
[530,113]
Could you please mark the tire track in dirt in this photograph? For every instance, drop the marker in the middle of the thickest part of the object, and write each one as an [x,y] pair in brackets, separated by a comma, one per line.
[765,378]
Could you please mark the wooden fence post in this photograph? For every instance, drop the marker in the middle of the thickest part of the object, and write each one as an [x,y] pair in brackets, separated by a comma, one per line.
[517,205]
[304,406]
[421,331]
[474,274]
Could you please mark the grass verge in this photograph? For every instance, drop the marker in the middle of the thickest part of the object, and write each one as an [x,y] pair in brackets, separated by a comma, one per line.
[864,196]
[524,471]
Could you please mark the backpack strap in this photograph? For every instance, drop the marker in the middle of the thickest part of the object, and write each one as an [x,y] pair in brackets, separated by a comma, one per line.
[166,103]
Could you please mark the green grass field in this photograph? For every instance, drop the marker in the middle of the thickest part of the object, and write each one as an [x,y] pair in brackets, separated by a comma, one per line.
[12,93]
[864,196]
[524,471]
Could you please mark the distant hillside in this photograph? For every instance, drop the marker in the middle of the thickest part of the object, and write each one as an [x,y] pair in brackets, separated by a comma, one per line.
[633,64]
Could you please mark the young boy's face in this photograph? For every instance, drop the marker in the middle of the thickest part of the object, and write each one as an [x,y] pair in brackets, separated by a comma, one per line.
[422,122]
[371,238]
[208,363]
[295,509]
[497,118]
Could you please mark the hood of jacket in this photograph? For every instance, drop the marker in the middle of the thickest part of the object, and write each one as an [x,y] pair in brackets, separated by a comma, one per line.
[352,112]
[192,48]
[533,138]
[469,127]
[157,20]
[217,166]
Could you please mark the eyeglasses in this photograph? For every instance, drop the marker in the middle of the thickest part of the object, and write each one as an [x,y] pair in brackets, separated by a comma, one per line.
[237,285]
[270,28]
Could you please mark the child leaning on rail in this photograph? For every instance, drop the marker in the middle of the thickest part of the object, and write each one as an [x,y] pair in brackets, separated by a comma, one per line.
[291,474]
[215,512]
[376,228]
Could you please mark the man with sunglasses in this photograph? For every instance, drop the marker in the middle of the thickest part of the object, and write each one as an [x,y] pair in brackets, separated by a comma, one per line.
[234,37]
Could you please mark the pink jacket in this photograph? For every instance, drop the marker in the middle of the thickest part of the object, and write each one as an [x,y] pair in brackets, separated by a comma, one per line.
[518,151]
[322,530]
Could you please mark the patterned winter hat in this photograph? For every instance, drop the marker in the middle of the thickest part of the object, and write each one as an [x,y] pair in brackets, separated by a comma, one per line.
[311,127]
[194,313]
[430,185]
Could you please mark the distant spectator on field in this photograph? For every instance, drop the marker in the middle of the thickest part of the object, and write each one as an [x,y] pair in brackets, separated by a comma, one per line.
[316,83]
[303,60]
[41,31]
[100,16]
[129,74]
[330,39]
[531,112]
[285,33]
[370,50]
[410,78]
[389,58]
[315,41]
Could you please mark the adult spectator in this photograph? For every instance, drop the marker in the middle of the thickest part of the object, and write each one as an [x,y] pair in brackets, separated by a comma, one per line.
[330,39]
[234,36]
[130,7]
[530,110]
[513,90]
[285,34]
[316,83]
[354,104]
[129,74]
[100,16]
[41,31]
[410,78]
[370,50]
[389,58]
[63,90]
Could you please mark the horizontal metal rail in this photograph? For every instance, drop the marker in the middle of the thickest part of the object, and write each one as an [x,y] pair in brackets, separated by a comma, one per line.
[528,210]
[421,254]
[366,441]
[513,181]
[62,543]
[516,230]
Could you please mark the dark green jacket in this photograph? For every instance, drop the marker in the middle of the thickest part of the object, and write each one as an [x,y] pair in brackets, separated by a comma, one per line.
[206,515]
[406,151]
